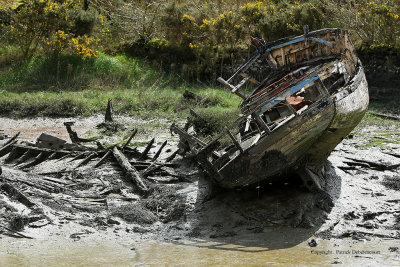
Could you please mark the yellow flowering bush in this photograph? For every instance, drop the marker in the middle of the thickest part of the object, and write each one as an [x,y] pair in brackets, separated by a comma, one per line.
[54,26]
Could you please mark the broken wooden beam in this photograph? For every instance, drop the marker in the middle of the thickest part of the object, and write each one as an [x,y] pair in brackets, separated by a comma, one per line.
[103,159]
[39,159]
[73,135]
[87,159]
[15,153]
[129,139]
[109,112]
[129,170]
[27,155]
[6,149]
[172,156]
[147,149]
[385,116]
[151,169]
[12,139]
[159,151]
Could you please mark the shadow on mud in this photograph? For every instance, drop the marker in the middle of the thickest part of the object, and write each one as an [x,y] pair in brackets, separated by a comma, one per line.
[272,216]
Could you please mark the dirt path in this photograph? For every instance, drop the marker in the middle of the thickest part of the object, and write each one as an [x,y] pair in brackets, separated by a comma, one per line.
[101,220]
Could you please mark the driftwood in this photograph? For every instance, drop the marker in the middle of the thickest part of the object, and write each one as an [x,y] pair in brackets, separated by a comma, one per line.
[129,170]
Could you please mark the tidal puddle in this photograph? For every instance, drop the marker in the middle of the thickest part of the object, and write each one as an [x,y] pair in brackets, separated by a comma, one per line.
[195,253]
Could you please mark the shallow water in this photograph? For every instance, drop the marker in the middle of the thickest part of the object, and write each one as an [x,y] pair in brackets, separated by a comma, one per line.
[194,253]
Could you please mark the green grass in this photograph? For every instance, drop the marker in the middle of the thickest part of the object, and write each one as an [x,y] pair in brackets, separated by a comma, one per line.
[74,86]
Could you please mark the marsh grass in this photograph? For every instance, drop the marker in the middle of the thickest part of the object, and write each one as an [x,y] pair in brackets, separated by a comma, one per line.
[73,86]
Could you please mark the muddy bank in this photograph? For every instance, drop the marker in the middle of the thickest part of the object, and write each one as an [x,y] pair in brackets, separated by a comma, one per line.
[87,206]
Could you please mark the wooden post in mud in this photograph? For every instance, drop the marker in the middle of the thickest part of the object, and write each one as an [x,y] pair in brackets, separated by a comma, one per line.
[109,112]
[129,170]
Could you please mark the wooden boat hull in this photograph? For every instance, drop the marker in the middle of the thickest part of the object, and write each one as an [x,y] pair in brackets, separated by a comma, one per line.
[306,140]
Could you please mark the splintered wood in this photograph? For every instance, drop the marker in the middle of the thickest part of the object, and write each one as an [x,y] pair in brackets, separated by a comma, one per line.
[136,165]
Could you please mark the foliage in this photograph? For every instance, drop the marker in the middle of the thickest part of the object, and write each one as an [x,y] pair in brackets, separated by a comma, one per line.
[373,22]
[54,26]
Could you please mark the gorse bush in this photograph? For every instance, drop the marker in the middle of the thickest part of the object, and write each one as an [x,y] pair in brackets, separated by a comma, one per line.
[54,26]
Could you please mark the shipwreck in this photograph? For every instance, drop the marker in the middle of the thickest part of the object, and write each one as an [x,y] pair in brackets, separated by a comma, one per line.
[309,92]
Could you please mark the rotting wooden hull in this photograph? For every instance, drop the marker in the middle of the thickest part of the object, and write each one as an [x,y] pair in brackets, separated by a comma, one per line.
[305,141]
[291,121]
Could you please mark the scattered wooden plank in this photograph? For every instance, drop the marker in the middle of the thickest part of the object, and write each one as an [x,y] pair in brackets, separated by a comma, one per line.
[79,156]
[87,159]
[159,151]
[129,170]
[12,139]
[103,159]
[39,159]
[27,155]
[129,139]
[147,149]
[15,153]
[15,233]
[6,149]
[172,156]
[14,193]
[151,169]
[391,117]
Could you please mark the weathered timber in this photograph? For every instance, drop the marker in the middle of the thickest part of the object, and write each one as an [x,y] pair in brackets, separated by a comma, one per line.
[79,156]
[12,139]
[172,156]
[134,132]
[372,165]
[14,193]
[385,116]
[73,135]
[392,154]
[99,145]
[146,163]
[159,151]
[129,170]
[6,149]
[109,112]
[87,159]
[56,155]
[38,183]
[147,149]
[39,159]
[103,159]
[14,233]
[65,156]
[27,155]
[15,153]
[50,142]
[151,169]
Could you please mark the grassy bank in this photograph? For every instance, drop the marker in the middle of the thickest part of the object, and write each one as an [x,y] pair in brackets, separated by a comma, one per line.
[81,87]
